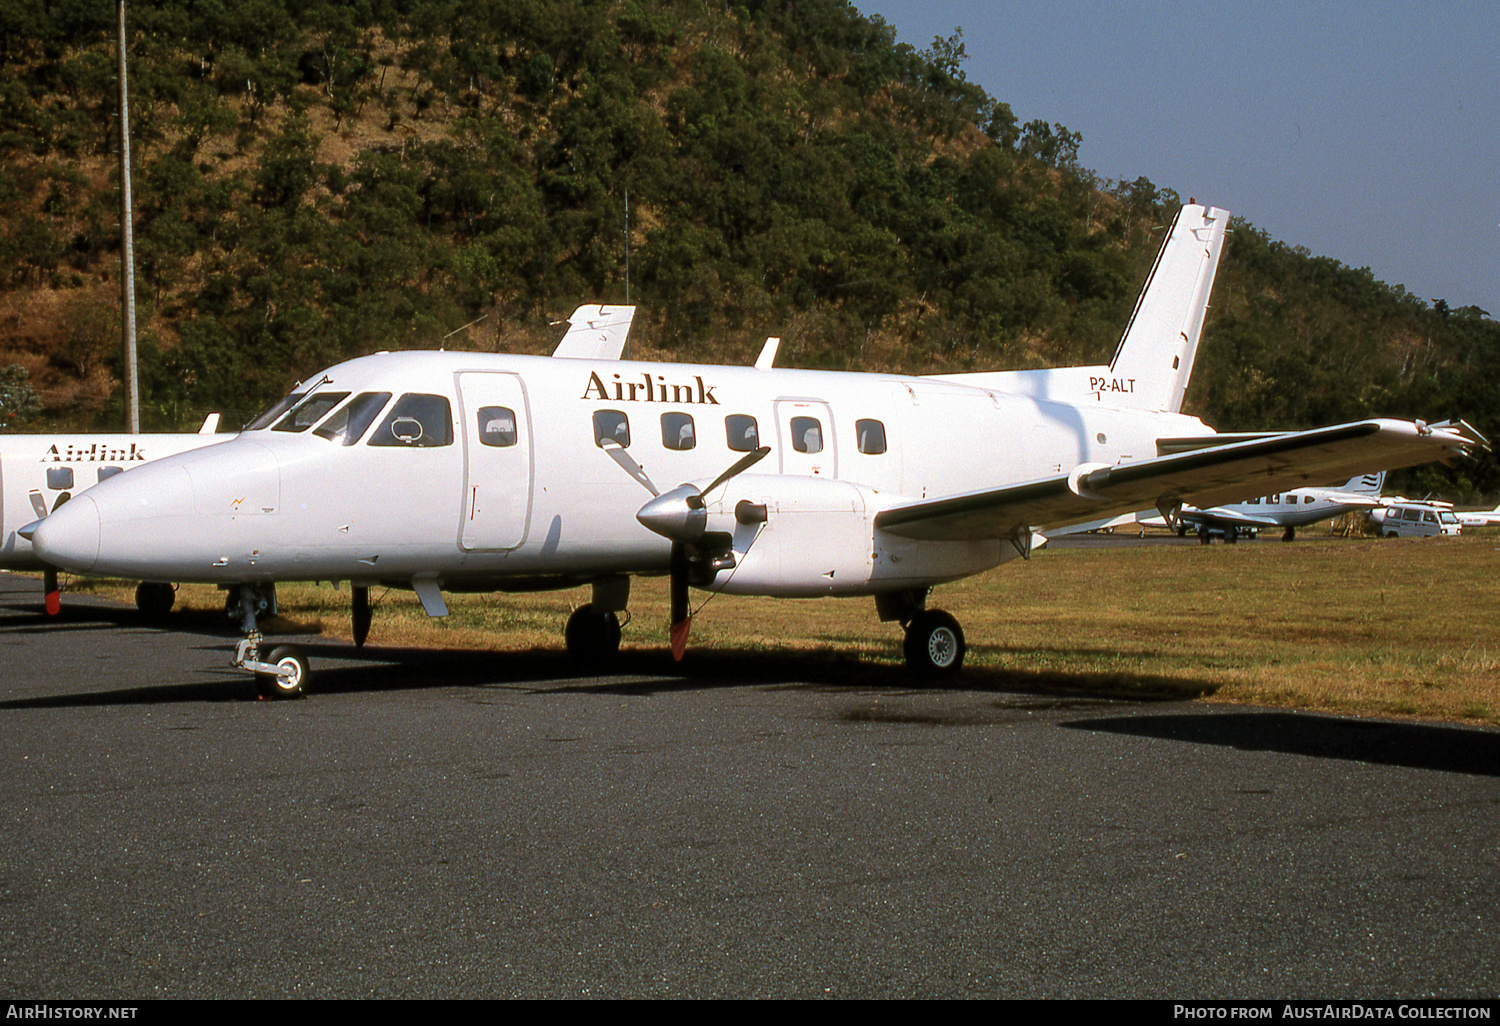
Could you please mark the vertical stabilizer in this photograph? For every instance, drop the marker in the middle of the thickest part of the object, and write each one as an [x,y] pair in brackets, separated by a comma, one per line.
[1366,484]
[1155,356]
[596,333]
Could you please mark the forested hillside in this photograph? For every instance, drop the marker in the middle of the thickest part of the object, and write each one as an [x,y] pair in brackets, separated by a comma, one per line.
[317,180]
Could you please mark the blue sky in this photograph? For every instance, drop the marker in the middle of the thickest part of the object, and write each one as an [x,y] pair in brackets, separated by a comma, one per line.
[1368,132]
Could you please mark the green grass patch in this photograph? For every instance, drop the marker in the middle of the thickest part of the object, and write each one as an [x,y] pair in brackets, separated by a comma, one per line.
[1385,627]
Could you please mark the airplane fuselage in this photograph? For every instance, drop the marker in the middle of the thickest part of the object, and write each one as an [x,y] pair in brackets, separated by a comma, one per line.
[484,471]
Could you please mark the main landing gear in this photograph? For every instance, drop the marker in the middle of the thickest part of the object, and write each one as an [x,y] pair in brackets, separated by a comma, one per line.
[285,673]
[593,632]
[155,599]
[593,637]
[934,646]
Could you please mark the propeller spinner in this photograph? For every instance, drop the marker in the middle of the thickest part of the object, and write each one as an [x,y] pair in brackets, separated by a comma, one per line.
[681,516]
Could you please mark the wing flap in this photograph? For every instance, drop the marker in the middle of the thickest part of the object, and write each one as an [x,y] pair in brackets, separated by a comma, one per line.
[1202,477]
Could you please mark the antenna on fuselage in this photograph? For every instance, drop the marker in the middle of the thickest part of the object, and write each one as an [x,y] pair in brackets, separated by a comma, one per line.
[455,331]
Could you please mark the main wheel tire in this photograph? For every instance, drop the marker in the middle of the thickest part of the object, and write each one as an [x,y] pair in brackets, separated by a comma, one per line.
[291,677]
[593,638]
[155,599]
[1204,538]
[934,645]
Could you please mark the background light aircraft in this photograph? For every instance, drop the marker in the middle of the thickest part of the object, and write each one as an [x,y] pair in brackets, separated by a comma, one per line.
[39,472]
[1478,517]
[1284,510]
[466,472]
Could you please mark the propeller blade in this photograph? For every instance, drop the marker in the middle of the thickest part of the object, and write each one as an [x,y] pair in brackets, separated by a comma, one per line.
[38,505]
[741,465]
[619,455]
[361,615]
[681,620]
[52,597]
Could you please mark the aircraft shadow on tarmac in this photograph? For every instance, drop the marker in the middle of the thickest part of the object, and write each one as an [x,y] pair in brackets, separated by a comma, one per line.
[342,669]
[1450,749]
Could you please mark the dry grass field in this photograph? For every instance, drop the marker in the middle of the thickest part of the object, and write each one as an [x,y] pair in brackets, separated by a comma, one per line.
[1383,627]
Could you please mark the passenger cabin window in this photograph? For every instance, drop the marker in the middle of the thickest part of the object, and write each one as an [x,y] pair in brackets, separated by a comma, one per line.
[349,423]
[871,436]
[807,434]
[497,426]
[269,417]
[677,431]
[107,472]
[741,431]
[611,424]
[417,421]
[59,477]
[310,412]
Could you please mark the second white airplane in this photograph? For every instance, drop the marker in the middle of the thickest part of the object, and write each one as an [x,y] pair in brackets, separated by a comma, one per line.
[466,472]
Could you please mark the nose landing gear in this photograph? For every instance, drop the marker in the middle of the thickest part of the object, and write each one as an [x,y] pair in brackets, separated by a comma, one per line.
[286,673]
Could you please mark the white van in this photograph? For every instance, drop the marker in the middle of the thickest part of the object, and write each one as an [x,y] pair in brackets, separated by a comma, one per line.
[1417,520]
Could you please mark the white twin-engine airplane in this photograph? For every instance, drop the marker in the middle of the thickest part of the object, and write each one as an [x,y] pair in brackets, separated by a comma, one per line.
[467,472]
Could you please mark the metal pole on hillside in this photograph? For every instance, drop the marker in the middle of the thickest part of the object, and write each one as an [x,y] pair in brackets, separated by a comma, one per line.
[127,253]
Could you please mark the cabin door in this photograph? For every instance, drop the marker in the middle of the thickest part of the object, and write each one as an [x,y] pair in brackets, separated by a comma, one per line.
[804,435]
[497,461]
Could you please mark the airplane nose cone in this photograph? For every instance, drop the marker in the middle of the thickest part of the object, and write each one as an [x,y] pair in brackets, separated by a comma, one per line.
[69,538]
[678,514]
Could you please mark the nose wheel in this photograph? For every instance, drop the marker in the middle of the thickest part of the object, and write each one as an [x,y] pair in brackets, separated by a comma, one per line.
[291,675]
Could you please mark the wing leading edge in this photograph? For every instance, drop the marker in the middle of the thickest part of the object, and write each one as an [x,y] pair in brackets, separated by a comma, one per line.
[1202,477]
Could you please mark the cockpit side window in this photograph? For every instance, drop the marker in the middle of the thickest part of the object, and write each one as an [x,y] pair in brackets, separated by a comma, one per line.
[269,417]
[416,421]
[742,433]
[348,424]
[310,412]
[497,426]
[611,424]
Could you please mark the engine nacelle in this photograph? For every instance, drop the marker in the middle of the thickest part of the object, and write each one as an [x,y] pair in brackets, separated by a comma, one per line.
[811,536]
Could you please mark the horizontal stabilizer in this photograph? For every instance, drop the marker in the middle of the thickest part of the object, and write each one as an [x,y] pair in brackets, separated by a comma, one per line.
[1203,478]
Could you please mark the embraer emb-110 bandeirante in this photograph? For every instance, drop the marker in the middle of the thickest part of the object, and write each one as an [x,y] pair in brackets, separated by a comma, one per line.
[462,472]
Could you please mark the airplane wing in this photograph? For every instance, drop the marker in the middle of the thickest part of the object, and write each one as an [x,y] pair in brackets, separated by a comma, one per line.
[1203,478]
[1222,516]
[596,333]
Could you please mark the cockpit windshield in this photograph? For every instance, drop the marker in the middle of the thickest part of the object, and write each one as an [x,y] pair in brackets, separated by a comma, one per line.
[310,412]
[268,418]
[349,423]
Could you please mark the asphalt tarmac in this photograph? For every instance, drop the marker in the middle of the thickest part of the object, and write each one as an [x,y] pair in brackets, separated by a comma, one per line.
[433,824]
